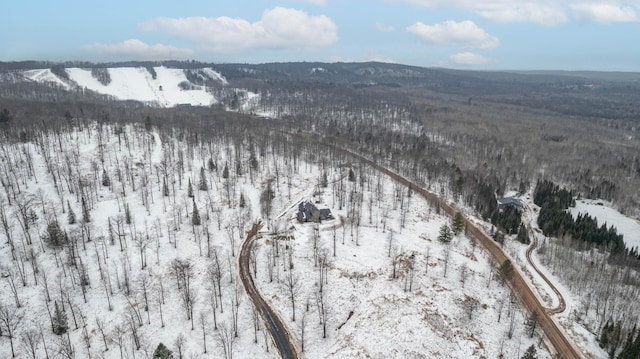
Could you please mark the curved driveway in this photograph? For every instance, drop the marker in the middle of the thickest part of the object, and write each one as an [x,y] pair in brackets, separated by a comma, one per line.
[278,330]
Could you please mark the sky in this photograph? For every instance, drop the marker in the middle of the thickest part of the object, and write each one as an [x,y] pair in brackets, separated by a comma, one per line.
[466,34]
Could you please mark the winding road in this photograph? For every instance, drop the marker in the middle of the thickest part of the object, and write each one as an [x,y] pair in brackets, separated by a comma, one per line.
[562,305]
[274,324]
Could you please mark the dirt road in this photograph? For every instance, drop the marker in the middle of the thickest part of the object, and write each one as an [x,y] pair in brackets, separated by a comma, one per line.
[562,305]
[278,330]
[563,346]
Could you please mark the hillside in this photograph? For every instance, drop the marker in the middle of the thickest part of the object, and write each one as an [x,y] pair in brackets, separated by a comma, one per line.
[109,246]
[156,86]
[597,95]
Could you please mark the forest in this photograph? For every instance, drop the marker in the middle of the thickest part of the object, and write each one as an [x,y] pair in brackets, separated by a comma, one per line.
[519,133]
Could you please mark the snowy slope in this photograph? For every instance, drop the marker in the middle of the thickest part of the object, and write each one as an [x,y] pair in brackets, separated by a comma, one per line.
[136,83]
[626,226]
[45,76]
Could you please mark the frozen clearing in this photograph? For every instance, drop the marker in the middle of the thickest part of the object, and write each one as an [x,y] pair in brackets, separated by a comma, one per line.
[628,227]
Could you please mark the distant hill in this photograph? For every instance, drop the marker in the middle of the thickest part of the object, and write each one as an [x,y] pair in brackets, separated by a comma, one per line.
[602,95]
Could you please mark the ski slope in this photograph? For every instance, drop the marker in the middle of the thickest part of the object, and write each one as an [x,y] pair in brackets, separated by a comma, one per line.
[45,76]
[136,83]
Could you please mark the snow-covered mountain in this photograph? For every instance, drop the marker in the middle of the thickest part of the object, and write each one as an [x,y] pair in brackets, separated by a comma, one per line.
[159,86]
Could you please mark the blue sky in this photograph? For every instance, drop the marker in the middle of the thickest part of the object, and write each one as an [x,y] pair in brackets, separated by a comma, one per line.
[473,34]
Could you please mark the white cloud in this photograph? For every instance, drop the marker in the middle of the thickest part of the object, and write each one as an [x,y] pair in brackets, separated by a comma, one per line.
[279,28]
[463,34]
[542,12]
[365,58]
[469,59]
[385,28]
[338,58]
[315,2]
[605,12]
[136,49]
[380,58]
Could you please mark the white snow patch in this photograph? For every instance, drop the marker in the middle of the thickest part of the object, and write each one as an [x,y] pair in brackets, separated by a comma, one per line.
[45,76]
[628,227]
[215,75]
[136,83]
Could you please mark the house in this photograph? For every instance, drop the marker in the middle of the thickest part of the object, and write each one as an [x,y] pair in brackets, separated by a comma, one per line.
[308,212]
[509,202]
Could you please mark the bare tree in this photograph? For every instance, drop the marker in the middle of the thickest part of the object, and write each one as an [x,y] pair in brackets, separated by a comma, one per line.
[464,268]
[10,319]
[470,305]
[293,288]
[203,325]
[29,343]
[445,258]
[180,343]
[65,348]
[303,325]
[226,340]
[142,241]
[100,325]
[183,271]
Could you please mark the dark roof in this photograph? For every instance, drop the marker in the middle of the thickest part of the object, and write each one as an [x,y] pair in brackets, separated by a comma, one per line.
[306,210]
[510,201]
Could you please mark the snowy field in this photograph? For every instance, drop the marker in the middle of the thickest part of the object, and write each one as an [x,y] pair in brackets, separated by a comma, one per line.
[114,281]
[628,227]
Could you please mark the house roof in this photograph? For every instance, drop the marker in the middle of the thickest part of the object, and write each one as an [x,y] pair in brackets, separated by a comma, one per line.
[510,201]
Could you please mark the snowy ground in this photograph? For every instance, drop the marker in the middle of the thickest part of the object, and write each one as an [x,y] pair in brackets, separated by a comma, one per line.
[389,320]
[628,227]
[136,83]
[374,315]
[584,338]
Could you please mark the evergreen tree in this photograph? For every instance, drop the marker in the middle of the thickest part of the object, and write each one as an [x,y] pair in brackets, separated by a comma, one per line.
[55,236]
[531,323]
[531,353]
[605,334]
[523,235]
[445,234]
[106,181]
[253,161]
[225,172]
[71,216]
[190,189]
[629,349]
[85,211]
[5,116]
[506,270]
[239,169]
[195,215]
[162,352]
[147,123]
[211,165]
[203,180]
[165,188]
[127,214]
[457,223]
[59,320]
[324,182]
[352,175]
[243,203]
